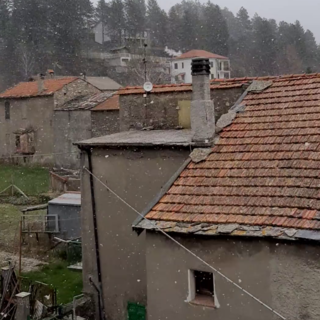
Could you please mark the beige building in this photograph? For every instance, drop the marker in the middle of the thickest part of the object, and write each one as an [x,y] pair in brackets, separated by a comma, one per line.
[136,164]
[27,113]
[247,203]
[249,208]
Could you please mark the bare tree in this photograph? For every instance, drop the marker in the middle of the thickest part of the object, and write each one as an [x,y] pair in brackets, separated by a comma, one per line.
[27,61]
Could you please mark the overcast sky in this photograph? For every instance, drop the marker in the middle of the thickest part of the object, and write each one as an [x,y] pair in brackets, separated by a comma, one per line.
[307,11]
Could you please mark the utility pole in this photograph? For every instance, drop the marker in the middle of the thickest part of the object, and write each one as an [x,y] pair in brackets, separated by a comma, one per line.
[145,61]
[20,247]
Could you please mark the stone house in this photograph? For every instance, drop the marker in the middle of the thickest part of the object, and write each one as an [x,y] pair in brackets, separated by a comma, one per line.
[83,118]
[249,208]
[168,106]
[136,164]
[27,114]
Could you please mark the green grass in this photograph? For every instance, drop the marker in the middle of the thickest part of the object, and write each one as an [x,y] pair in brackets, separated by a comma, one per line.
[68,283]
[31,180]
[9,227]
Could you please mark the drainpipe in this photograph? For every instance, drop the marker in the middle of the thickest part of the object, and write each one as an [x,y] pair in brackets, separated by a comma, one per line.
[96,240]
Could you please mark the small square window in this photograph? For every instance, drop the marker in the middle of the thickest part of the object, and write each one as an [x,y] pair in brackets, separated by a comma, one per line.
[182,65]
[176,66]
[201,289]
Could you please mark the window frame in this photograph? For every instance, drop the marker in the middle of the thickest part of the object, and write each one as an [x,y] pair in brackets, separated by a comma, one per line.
[182,65]
[175,65]
[198,299]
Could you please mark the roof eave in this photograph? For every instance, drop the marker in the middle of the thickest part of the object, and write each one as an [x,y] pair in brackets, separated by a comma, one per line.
[235,230]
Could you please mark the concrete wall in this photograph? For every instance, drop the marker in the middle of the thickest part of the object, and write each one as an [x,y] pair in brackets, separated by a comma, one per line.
[33,112]
[72,90]
[161,110]
[105,122]
[70,127]
[284,275]
[137,177]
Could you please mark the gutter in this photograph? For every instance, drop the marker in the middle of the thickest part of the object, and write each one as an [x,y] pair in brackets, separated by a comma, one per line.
[96,240]
[158,197]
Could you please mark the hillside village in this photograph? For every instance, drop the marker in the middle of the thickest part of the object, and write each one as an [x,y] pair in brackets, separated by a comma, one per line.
[147,174]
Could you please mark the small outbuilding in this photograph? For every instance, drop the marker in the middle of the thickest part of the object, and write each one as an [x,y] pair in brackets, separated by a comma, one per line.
[67,210]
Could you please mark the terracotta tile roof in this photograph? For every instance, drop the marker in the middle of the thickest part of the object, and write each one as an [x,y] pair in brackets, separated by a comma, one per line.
[166,88]
[265,169]
[200,54]
[109,104]
[30,89]
[215,84]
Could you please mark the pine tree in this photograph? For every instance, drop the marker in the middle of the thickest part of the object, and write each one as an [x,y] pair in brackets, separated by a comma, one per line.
[30,26]
[190,26]
[116,21]
[264,48]
[175,28]
[157,24]
[135,13]
[69,29]
[216,32]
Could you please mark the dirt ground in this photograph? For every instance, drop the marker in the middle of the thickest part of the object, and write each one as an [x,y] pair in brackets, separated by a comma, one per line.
[28,264]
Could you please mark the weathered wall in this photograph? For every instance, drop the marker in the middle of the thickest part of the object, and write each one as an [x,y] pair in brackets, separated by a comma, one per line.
[105,122]
[72,90]
[157,110]
[137,177]
[70,127]
[224,99]
[284,275]
[161,110]
[34,112]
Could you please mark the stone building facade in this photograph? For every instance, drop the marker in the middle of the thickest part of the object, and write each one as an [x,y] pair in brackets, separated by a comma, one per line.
[27,114]
[80,119]
[168,106]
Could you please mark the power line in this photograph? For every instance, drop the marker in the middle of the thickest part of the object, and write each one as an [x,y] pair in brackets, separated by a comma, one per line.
[186,249]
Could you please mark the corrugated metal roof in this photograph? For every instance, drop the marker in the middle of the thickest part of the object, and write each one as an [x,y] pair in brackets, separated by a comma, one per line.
[90,102]
[104,83]
[71,199]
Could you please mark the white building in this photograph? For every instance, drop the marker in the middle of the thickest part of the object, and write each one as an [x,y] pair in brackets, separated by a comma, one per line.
[181,66]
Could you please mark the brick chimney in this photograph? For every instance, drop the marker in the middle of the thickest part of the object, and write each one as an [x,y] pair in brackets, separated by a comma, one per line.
[202,108]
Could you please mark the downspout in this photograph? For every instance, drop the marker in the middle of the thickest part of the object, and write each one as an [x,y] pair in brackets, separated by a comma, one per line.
[96,240]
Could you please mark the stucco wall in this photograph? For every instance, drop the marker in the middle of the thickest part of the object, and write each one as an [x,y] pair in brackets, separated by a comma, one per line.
[105,122]
[285,275]
[137,177]
[72,90]
[161,110]
[187,68]
[70,127]
[35,112]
